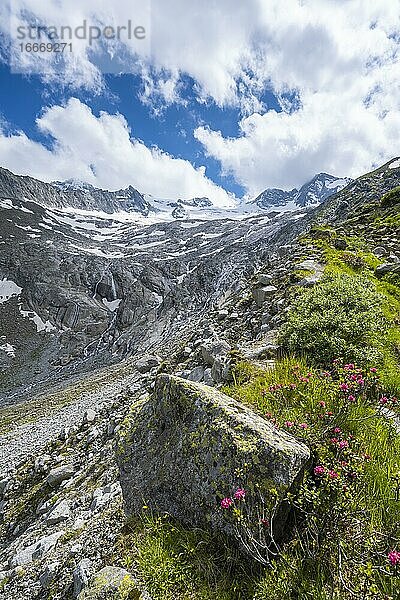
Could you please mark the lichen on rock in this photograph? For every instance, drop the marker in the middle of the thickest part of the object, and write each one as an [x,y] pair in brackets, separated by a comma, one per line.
[188,446]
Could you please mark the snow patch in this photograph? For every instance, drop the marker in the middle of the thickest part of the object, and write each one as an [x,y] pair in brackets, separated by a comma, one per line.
[8,349]
[8,289]
[395,164]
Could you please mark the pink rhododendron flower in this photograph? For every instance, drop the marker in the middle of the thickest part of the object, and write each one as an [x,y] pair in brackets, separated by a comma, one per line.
[343,444]
[333,474]
[373,370]
[264,522]
[394,557]
[344,387]
[226,502]
[289,423]
[351,398]
[240,494]
[383,400]
[322,403]
[319,470]
[337,430]
[333,440]
[303,425]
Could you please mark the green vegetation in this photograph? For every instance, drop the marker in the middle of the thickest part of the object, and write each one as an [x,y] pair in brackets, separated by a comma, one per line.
[339,317]
[391,198]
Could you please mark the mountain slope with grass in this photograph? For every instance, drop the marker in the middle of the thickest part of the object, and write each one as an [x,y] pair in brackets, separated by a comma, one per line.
[309,340]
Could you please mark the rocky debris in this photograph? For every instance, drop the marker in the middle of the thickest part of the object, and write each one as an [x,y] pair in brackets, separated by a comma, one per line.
[379,251]
[196,374]
[316,271]
[36,550]
[262,294]
[111,582]
[264,278]
[207,438]
[147,362]
[89,416]
[59,474]
[214,349]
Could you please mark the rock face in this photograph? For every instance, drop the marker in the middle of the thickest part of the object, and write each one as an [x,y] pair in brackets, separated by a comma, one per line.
[189,446]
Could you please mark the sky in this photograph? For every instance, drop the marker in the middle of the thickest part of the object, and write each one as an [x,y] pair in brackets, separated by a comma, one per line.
[218,99]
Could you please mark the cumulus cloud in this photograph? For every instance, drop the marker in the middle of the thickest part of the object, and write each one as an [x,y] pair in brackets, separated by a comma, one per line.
[101,151]
[334,67]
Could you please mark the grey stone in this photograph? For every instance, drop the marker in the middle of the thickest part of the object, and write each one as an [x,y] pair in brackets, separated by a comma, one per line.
[36,550]
[108,582]
[147,362]
[60,512]
[102,496]
[386,268]
[212,349]
[185,448]
[81,575]
[262,294]
[379,251]
[48,575]
[59,474]
[222,314]
[264,278]
[196,374]
[89,416]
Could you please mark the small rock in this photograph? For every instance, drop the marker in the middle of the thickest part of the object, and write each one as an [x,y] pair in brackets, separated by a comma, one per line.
[379,251]
[111,582]
[147,362]
[103,495]
[48,576]
[60,512]
[262,294]
[196,374]
[264,278]
[36,550]
[89,416]
[59,474]
[81,575]
[187,351]
[212,349]
[222,314]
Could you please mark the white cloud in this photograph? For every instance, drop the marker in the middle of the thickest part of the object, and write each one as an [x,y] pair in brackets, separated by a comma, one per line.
[339,60]
[101,151]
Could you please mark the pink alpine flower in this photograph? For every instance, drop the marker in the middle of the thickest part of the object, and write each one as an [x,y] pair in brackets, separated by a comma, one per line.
[394,557]
[344,387]
[351,398]
[226,502]
[240,494]
[319,470]
[289,424]
[322,403]
[337,430]
[343,444]
[373,370]
[383,400]
[303,426]
[333,474]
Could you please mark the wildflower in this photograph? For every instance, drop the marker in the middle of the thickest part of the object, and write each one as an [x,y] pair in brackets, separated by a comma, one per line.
[394,557]
[264,522]
[373,370]
[303,425]
[226,502]
[323,404]
[333,440]
[366,456]
[337,430]
[293,386]
[289,423]
[344,387]
[319,470]
[360,381]
[240,494]
[333,474]
[383,400]
[305,379]
[343,444]
[351,398]
[326,374]
[349,367]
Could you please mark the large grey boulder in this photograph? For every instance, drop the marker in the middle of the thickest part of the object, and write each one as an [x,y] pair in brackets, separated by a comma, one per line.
[262,294]
[36,550]
[188,446]
[59,474]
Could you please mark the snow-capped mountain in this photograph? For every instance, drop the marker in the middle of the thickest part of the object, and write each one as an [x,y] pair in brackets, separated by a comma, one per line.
[312,193]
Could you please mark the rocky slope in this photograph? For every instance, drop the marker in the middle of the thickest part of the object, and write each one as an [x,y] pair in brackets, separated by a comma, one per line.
[77,294]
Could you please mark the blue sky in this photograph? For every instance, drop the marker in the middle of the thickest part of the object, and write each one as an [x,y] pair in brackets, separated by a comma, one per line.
[225,101]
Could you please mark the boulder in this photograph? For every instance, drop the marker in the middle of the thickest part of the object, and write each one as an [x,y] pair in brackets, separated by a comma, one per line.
[59,474]
[264,278]
[188,446]
[111,582]
[213,349]
[36,550]
[147,362]
[386,268]
[81,575]
[262,294]
[196,374]
[60,512]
